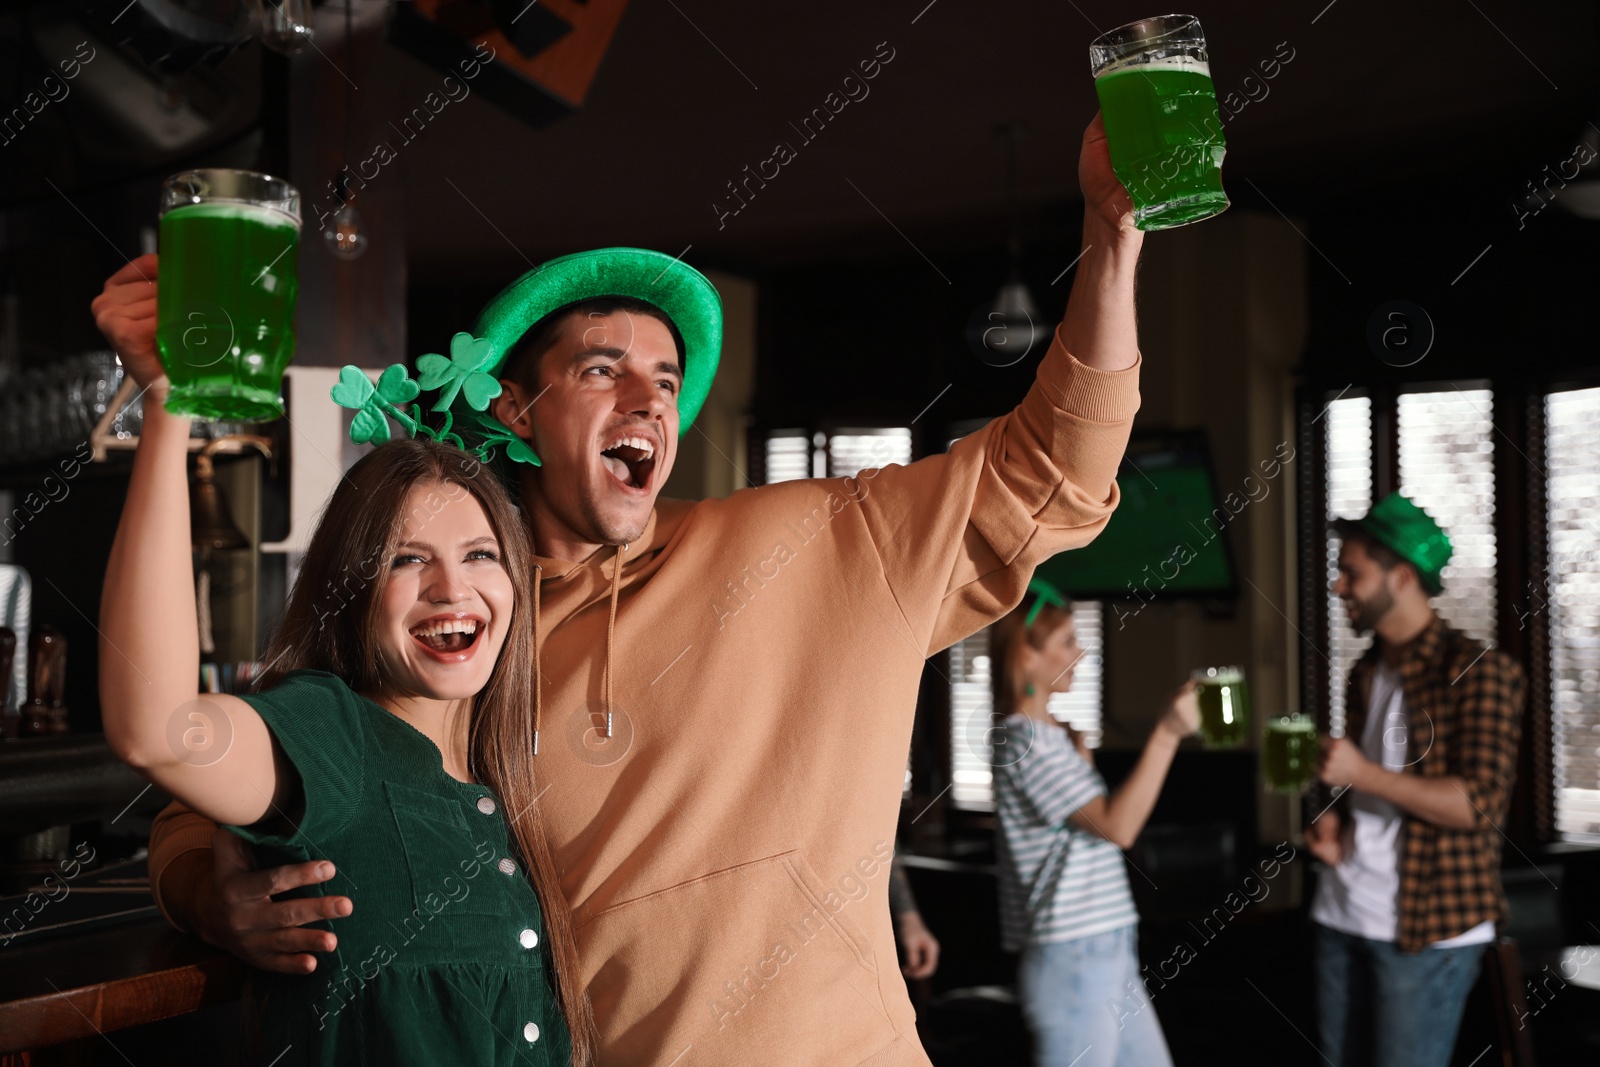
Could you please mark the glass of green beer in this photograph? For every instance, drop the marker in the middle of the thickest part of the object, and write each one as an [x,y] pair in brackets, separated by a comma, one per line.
[1153,78]
[1289,752]
[1224,702]
[226,292]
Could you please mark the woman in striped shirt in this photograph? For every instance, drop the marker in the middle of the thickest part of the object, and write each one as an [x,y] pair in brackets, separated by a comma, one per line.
[1064,899]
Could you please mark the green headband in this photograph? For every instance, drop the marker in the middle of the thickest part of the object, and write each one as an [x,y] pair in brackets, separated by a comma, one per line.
[469,378]
[1044,593]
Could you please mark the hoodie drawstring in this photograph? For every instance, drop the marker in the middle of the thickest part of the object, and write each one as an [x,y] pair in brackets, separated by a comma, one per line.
[538,675]
[611,626]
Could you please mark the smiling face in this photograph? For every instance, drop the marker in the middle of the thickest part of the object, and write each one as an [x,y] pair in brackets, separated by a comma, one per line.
[1051,666]
[1364,585]
[446,602]
[602,413]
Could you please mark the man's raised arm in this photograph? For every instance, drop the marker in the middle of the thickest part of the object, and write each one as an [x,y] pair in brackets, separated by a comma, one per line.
[959,534]
[1099,328]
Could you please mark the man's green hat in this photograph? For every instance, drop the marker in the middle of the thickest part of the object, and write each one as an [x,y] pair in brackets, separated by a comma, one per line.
[685,295]
[1409,532]
[467,380]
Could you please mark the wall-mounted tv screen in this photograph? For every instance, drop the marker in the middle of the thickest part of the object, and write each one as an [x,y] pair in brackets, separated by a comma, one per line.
[1168,536]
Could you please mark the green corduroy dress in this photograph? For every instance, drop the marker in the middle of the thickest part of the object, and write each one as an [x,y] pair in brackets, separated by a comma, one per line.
[443,959]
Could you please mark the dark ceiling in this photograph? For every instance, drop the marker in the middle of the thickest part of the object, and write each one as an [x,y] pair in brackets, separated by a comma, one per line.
[692,91]
[1467,98]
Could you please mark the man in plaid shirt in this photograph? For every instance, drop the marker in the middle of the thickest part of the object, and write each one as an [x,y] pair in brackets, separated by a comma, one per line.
[1411,891]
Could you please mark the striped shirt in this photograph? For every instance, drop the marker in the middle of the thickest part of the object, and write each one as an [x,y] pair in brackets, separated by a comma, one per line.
[1057,882]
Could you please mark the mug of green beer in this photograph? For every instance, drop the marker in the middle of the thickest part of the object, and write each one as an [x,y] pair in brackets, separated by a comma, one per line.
[226,288]
[1224,703]
[1289,752]
[1153,78]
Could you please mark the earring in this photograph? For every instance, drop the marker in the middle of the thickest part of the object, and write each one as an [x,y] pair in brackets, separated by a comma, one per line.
[1027,690]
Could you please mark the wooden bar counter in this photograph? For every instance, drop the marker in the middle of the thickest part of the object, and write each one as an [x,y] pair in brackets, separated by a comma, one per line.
[98,982]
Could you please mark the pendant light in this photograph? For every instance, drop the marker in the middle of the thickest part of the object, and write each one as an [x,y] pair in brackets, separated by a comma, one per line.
[344,237]
[1011,327]
[285,26]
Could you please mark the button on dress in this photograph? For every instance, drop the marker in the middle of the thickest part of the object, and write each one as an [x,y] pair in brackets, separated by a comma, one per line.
[443,959]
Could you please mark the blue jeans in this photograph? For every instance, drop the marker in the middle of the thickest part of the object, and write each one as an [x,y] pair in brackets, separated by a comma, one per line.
[1382,1007]
[1086,1005]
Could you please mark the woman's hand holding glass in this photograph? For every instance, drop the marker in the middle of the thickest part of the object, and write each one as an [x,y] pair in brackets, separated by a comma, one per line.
[125,311]
[1182,717]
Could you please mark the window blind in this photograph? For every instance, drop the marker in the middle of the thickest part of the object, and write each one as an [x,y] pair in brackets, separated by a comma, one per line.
[1447,468]
[1349,452]
[1572,486]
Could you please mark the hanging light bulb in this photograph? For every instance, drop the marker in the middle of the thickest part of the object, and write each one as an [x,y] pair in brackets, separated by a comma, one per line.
[1005,331]
[1008,329]
[284,26]
[344,235]
[1017,316]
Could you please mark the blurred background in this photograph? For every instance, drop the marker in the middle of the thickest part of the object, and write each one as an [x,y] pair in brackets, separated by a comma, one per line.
[1401,297]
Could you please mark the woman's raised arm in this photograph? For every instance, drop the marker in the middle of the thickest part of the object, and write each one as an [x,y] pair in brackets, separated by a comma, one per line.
[1120,817]
[211,751]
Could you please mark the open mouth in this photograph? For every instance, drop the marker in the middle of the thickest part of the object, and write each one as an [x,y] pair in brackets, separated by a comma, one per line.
[630,459]
[448,636]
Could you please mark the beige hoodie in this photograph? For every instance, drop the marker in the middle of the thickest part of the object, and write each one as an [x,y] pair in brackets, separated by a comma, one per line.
[726,851]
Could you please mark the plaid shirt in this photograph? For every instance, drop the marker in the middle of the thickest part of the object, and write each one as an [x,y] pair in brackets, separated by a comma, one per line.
[1464,710]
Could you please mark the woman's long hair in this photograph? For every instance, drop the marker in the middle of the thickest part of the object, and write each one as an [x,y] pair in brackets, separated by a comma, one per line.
[331,624]
[1007,639]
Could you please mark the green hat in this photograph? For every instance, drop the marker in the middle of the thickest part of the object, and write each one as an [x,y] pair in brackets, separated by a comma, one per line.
[468,378]
[685,295]
[1405,529]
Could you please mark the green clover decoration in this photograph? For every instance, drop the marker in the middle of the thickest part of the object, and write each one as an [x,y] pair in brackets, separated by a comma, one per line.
[375,405]
[1044,593]
[494,433]
[460,373]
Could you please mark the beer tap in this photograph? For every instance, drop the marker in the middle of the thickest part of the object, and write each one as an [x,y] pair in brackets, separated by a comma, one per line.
[211,525]
[46,711]
[8,651]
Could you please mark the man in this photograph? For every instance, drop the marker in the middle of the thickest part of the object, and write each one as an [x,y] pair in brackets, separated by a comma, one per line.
[1411,892]
[728,686]
[916,940]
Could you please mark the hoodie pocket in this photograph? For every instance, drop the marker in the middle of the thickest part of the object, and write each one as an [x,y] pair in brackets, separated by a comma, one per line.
[755,963]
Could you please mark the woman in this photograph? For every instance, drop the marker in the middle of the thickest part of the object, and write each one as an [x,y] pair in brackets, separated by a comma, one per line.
[1064,899]
[390,734]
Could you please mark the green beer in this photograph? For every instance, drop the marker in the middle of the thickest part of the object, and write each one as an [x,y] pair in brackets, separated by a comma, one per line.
[1289,753]
[1224,702]
[1163,130]
[227,286]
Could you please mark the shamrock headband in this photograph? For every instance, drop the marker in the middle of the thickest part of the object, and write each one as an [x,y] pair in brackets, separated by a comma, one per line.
[1043,593]
[469,378]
